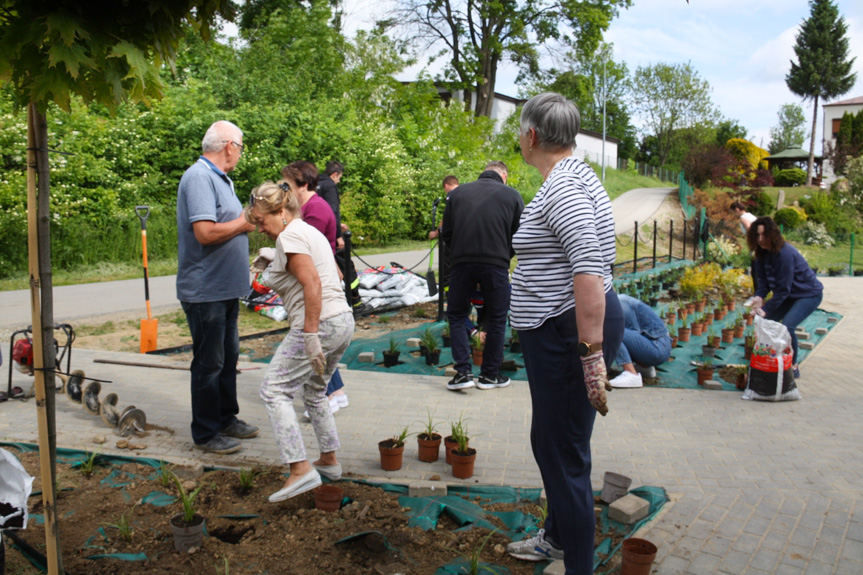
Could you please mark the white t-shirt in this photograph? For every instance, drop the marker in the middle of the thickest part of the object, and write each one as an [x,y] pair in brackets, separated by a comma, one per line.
[301,238]
[748,218]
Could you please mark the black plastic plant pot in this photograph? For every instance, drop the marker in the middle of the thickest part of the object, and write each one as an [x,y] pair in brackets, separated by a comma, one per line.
[391,359]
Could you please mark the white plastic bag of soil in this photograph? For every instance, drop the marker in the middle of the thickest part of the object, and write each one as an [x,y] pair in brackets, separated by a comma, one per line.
[15,486]
[771,377]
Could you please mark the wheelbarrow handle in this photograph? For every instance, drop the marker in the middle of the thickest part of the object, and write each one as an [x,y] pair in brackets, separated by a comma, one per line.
[143,212]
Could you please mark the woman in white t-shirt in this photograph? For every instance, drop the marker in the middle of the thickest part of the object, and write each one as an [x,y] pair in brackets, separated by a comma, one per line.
[304,274]
[746,218]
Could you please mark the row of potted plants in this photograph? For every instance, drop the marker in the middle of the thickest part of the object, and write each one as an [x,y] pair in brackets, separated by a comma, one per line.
[458,452]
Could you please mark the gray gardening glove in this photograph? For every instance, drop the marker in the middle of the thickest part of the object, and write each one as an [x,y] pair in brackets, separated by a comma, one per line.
[316,353]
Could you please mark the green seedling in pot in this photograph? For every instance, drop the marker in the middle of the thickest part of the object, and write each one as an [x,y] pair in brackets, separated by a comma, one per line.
[188,499]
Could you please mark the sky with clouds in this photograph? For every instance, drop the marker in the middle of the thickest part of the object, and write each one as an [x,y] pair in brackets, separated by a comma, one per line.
[743,49]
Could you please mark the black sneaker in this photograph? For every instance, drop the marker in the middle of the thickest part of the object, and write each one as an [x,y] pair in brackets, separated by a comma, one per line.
[362,309]
[460,381]
[220,444]
[241,430]
[492,382]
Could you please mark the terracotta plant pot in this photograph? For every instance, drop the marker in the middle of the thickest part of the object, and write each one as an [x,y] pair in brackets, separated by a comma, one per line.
[329,497]
[683,333]
[714,341]
[731,305]
[476,354]
[391,359]
[739,330]
[704,373]
[699,306]
[448,445]
[708,318]
[747,352]
[741,381]
[683,312]
[673,341]
[462,463]
[391,456]
[670,318]
[428,448]
[432,357]
[690,307]
[697,329]
[187,535]
[728,335]
[748,318]
[638,556]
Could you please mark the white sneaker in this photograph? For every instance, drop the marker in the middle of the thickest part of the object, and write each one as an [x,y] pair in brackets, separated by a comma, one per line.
[534,549]
[627,379]
[334,407]
[648,372]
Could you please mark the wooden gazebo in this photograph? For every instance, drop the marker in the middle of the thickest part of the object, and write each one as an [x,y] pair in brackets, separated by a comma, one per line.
[794,158]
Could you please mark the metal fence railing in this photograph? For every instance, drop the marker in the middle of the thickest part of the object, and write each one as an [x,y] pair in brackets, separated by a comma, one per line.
[644,169]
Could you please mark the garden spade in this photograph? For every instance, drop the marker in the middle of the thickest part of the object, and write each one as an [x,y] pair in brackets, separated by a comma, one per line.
[431,280]
[149,326]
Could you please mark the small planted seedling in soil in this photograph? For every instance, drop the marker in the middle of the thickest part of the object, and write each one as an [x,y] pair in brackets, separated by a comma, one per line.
[247,479]
[473,567]
[123,526]
[165,474]
[89,465]
[227,570]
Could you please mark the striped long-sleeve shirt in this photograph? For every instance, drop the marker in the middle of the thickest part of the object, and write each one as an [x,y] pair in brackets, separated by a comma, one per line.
[567,229]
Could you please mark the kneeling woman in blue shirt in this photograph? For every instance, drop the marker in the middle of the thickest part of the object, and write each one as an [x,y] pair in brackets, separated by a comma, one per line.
[780,269]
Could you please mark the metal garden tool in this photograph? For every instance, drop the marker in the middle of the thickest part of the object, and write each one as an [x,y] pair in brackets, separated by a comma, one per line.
[149,326]
[431,280]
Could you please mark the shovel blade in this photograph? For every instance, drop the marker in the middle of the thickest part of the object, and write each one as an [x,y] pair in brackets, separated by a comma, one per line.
[432,282]
[149,334]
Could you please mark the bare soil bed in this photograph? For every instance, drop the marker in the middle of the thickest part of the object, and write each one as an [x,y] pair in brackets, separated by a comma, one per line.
[288,537]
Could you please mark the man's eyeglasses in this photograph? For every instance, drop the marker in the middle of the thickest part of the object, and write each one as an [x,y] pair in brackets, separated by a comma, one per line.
[241,146]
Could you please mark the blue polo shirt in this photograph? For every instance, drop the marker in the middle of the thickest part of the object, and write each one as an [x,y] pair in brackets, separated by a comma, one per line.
[215,272]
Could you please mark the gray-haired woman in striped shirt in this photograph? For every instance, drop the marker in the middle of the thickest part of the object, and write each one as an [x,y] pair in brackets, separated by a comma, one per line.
[569,321]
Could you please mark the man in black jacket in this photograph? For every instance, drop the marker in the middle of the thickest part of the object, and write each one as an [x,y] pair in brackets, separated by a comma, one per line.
[478,224]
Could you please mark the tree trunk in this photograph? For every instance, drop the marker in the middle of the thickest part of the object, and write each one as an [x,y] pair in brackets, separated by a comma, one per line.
[42,309]
[812,142]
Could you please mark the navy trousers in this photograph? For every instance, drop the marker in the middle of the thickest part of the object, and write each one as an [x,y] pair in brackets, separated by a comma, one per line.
[215,350]
[561,426]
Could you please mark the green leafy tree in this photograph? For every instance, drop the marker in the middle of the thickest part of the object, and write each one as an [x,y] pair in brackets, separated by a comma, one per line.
[790,132]
[728,129]
[823,69]
[669,99]
[857,131]
[475,36]
[582,82]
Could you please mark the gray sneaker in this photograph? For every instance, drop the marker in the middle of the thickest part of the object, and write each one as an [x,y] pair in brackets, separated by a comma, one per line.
[241,430]
[534,549]
[220,444]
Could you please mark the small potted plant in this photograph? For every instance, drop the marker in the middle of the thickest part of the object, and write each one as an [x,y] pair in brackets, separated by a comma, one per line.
[428,441]
[728,335]
[684,331]
[450,441]
[476,346]
[704,371]
[463,456]
[741,372]
[748,342]
[188,526]
[515,344]
[429,341]
[447,341]
[671,315]
[739,327]
[391,355]
[392,449]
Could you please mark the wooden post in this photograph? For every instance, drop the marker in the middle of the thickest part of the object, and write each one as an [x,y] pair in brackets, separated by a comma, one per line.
[635,248]
[43,358]
[654,243]
[670,240]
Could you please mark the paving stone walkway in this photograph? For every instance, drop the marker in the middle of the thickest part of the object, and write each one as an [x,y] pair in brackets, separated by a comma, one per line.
[757,487]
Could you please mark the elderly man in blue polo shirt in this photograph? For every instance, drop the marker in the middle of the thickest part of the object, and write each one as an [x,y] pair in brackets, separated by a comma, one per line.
[213,273]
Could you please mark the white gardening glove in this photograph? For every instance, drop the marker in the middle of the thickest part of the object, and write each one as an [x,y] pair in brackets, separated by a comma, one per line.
[265,257]
[596,381]
[316,353]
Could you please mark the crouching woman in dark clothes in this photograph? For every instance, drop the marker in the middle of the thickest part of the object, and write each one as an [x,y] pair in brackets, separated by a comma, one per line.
[570,325]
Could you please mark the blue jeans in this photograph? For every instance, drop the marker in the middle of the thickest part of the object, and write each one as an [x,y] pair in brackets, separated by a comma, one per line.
[335,383]
[561,426]
[215,349]
[792,312]
[494,285]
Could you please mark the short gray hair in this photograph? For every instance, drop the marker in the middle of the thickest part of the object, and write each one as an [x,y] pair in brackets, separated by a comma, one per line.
[217,135]
[555,119]
[498,167]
